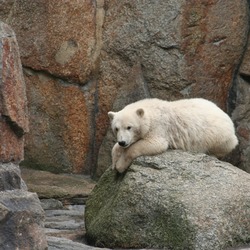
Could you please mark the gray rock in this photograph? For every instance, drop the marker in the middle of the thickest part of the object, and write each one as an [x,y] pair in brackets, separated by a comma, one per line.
[20,212]
[51,204]
[176,200]
[54,213]
[67,188]
[10,178]
[66,223]
[241,118]
[241,114]
[56,243]
[240,248]
[21,220]
[178,45]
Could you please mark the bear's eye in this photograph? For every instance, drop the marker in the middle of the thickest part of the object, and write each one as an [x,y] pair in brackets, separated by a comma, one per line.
[116,129]
[128,127]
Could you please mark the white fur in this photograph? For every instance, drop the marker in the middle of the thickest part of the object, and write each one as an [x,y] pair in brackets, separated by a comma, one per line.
[151,126]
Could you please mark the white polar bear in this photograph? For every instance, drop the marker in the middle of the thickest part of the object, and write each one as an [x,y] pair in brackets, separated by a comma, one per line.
[151,126]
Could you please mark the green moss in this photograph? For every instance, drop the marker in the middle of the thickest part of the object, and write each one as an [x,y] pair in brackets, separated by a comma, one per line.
[99,199]
[114,218]
[172,229]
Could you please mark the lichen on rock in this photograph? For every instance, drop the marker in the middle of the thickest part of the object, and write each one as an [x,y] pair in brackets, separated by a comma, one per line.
[176,200]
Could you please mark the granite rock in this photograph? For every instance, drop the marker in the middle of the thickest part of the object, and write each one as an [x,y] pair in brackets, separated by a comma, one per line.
[21,214]
[176,200]
[13,102]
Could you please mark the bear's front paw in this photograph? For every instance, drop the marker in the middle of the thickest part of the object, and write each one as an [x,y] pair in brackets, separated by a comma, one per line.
[117,152]
[122,164]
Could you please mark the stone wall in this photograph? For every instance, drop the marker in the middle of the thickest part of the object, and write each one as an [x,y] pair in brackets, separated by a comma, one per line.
[84,58]
[21,215]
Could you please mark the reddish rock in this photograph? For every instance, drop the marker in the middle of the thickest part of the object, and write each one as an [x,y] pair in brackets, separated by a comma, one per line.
[244,132]
[60,46]
[21,213]
[214,36]
[13,103]
[57,37]
[60,123]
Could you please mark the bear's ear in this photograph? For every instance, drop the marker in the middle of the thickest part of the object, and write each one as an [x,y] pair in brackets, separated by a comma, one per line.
[140,112]
[111,115]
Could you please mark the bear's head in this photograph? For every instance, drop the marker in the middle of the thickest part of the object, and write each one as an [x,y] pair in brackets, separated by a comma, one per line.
[126,126]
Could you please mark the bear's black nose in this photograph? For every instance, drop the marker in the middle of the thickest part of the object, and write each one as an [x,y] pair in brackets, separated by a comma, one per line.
[122,143]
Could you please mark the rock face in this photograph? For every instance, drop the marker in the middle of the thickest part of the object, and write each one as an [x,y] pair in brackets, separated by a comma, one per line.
[185,48]
[83,58]
[182,48]
[60,125]
[13,103]
[241,113]
[175,200]
[60,60]
[21,215]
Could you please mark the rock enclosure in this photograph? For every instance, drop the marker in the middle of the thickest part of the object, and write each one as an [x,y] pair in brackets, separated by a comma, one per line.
[84,58]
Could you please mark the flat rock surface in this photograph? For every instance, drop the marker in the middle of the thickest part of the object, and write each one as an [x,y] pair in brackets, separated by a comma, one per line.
[65,187]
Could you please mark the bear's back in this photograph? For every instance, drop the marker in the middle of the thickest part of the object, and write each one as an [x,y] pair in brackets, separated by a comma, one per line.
[149,103]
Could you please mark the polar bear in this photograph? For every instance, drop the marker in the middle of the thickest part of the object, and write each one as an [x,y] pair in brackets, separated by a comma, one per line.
[151,126]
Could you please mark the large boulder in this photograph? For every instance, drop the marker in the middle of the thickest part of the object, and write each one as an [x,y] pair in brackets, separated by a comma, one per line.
[22,221]
[176,200]
[13,102]
[21,214]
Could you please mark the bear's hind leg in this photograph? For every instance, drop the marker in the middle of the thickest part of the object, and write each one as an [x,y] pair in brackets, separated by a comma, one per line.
[224,148]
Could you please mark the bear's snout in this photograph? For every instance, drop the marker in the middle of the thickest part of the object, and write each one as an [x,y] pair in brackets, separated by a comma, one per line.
[122,143]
